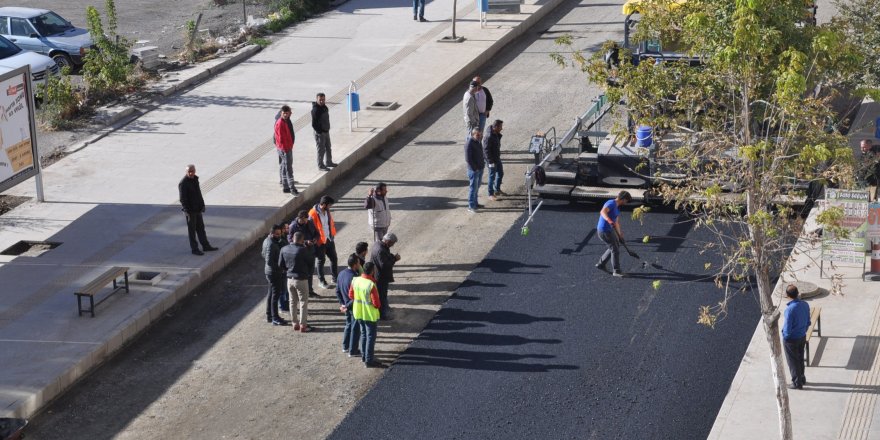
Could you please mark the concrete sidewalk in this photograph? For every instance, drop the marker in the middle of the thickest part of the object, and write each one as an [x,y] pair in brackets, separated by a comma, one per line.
[843,377]
[114,203]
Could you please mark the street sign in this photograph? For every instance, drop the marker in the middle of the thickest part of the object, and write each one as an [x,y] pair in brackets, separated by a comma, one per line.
[18,147]
[855,219]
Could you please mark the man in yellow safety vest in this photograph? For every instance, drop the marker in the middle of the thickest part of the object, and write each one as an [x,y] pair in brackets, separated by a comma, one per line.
[365,308]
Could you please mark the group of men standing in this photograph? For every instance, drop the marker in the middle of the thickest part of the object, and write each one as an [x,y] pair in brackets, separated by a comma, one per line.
[285,137]
[294,255]
[481,151]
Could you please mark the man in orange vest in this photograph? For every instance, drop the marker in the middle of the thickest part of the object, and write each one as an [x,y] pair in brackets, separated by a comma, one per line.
[325,247]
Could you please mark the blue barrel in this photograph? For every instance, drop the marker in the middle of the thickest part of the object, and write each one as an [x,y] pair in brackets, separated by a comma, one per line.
[644,136]
[483,5]
[353,101]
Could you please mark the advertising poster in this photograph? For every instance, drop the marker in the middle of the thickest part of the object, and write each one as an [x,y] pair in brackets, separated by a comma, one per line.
[855,219]
[16,147]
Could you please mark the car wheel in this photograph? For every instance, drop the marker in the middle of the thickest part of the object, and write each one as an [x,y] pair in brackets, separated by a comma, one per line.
[63,60]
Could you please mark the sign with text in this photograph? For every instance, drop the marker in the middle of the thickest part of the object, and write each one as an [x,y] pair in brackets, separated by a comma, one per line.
[873,232]
[855,220]
[17,148]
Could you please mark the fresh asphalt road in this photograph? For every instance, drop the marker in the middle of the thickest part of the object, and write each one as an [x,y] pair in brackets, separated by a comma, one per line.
[537,343]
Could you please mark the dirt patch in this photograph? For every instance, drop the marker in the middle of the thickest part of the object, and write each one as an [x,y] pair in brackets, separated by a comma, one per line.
[8,203]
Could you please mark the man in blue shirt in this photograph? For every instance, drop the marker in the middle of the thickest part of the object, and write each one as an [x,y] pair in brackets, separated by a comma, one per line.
[794,336]
[606,228]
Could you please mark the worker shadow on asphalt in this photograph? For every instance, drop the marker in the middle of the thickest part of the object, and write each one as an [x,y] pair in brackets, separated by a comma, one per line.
[479,360]
[493,317]
[492,264]
[443,286]
[439,183]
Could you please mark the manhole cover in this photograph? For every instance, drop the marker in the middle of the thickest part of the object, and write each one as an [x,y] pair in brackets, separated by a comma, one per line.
[806,289]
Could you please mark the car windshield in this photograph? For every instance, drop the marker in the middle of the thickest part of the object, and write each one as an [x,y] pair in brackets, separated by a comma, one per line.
[50,23]
[8,48]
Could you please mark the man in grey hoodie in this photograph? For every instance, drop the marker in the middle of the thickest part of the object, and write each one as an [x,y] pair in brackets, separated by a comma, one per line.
[321,126]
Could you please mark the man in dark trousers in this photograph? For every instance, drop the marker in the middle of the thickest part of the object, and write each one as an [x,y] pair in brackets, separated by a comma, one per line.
[351,334]
[384,261]
[284,139]
[378,210]
[794,335]
[610,233]
[473,156]
[492,151]
[321,126]
[304,225]
[295,263]
[274,275]
[325,248]
[193,206]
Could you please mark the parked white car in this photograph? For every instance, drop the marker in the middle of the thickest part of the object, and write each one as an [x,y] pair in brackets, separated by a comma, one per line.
[46,32]
[13,57]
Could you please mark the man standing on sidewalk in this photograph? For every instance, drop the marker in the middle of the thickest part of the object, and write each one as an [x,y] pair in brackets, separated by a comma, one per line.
[351,334]
[378,210]
[325,248]
[366,305]
[469,106]
[274,274]
[794,336]
[473,157]
[321,126]
[384,260]
[419,10]
[284,138]
[484,102]
[492,151]
[610,233]
[193,206]
[294,261]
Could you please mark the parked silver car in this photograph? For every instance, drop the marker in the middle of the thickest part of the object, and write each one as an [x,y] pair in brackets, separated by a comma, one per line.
[45,32]
[13,57]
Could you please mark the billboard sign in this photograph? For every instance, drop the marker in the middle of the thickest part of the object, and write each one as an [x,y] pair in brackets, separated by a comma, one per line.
[18,147]
[855,220]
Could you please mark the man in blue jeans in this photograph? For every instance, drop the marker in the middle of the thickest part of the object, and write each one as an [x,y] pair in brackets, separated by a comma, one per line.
[365,308]
[419,10]
[610,233]
[351,334]
[794,336]
[473,156]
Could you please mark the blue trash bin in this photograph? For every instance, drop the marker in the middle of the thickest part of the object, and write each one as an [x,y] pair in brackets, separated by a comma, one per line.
[353,102]
[644,136]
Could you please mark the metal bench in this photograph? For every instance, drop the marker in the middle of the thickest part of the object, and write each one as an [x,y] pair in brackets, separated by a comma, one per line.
[815,324]
[95,287]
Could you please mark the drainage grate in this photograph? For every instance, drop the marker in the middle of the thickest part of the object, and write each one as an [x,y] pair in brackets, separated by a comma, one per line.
[144,277]
[27,248]
[383,105]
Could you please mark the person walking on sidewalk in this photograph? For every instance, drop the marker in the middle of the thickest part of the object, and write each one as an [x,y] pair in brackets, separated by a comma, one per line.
[304,224]
[794,335]
[325,248]
[384,261]
[284,138]
[366,305]
[193,206]
[492,151]
[378,210]
[610,233]
[473,156]
[295,263]
[351,334]
[274,274]
[321,126]
[469,106]
[484,102]
[419,10]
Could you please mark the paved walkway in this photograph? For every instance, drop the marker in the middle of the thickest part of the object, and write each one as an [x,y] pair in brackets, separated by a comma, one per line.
[840,398]
[114,203]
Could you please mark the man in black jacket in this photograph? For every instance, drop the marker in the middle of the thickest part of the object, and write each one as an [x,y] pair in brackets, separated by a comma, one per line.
[304,225]
[321,126]
[271,254]
[193,205]
[297,265]
[384,260]
[473,156]
[492,151]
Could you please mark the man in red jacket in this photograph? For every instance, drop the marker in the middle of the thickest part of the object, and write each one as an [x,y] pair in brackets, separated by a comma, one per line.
[284,137]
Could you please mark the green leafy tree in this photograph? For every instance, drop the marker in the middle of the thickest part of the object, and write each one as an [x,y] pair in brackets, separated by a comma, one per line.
[107,71]
[734,133]
[860,20]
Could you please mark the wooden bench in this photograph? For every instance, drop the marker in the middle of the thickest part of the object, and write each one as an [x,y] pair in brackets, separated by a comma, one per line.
[93,288]
[815,324]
